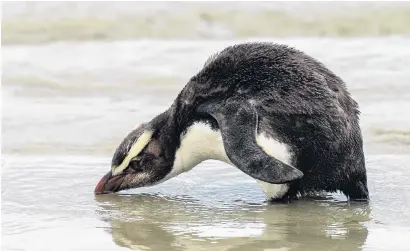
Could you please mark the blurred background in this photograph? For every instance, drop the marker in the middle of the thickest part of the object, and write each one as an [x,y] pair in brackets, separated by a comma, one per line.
[82,73]
[78,76]
[39,22]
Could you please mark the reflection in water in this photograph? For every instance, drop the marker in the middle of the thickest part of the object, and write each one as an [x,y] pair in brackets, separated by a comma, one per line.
[153,222]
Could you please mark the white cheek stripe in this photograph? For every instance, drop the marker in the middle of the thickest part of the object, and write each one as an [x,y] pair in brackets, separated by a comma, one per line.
[134,151]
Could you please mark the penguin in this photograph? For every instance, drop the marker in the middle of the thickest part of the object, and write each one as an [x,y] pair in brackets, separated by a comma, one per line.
[272,111]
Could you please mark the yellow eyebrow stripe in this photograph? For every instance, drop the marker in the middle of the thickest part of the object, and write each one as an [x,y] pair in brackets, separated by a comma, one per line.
[134,151]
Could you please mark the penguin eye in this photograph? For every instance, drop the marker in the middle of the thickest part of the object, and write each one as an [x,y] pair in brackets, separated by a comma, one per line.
[136,164]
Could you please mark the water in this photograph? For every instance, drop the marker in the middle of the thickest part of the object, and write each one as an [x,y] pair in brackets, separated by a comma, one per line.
[66,106]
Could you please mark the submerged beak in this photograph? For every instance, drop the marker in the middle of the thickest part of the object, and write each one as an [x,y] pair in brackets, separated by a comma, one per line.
[109,184]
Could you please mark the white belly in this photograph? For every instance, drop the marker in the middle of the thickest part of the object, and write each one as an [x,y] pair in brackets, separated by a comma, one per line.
[201,143]
[279,151]
[273,191]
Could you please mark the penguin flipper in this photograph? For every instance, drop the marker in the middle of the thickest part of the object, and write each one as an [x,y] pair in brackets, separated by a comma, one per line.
[238,121]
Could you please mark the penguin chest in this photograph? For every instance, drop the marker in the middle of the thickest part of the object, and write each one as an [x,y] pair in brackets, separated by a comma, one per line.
[202,142]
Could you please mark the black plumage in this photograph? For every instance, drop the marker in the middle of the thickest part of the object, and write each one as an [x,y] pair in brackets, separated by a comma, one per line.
[297,100]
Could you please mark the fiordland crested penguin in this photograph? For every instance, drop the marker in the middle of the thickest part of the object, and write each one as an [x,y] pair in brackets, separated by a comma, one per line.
[272,111]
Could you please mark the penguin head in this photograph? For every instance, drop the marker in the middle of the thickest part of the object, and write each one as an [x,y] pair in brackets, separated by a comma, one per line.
[140,160]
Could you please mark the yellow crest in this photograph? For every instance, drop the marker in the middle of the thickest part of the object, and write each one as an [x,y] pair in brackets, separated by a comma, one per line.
[134,151]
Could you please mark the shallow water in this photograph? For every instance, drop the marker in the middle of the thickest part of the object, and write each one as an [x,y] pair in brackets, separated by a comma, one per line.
[66,106]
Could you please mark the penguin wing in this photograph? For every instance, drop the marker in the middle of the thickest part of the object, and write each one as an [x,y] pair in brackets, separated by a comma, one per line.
[238,121]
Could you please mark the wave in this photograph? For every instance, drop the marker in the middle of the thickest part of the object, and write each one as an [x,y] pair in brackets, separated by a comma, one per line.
[208,24]
[392,136]
[30,83]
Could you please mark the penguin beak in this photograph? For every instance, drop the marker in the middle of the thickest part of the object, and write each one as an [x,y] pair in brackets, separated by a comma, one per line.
[109,184]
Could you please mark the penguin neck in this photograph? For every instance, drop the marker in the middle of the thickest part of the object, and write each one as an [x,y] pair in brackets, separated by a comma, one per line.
[169,131]
[199,143]
[189,144]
